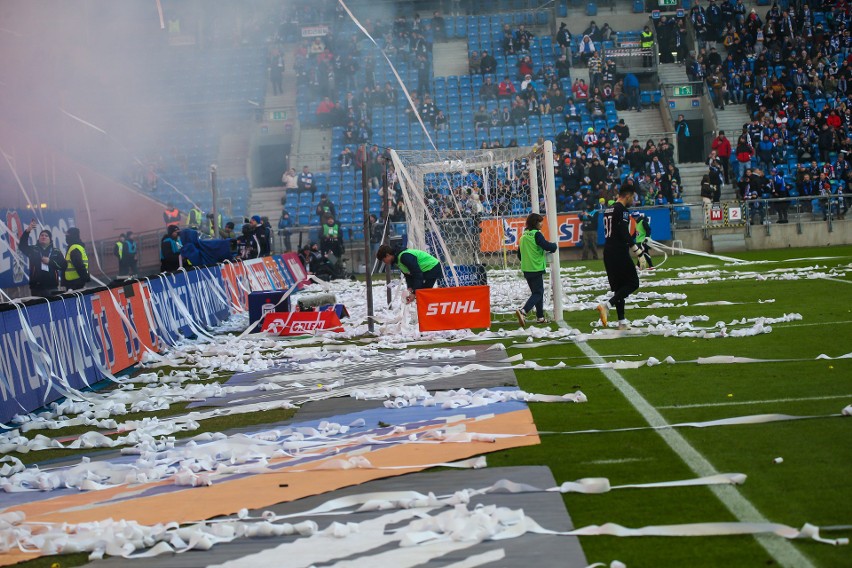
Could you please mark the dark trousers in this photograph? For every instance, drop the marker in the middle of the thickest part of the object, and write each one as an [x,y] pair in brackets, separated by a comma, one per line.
[622,277]
[535,280]
[429,278]
[590,245]
[726,167]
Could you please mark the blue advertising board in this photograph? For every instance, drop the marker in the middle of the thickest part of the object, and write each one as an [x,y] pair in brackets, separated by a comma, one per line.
[13,267]
[41,343]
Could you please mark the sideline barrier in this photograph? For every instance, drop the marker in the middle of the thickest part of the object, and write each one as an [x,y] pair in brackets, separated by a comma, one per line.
[53,348]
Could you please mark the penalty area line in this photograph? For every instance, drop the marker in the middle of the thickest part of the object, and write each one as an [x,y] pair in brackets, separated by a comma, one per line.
[781,550]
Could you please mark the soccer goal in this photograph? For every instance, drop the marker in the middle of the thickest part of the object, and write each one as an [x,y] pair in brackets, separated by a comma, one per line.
[469,207]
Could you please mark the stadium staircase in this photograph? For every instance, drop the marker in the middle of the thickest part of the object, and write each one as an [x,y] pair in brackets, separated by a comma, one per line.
[671,73]
[731,120]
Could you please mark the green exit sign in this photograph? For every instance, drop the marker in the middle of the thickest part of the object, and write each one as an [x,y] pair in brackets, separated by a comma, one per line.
[278,115]
[682,91]
[668,3]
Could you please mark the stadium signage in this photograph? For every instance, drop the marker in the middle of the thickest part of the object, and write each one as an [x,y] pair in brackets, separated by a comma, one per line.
[301,323]
[69,343]
[463,307]
[504,234]
[314,31]
[443,308]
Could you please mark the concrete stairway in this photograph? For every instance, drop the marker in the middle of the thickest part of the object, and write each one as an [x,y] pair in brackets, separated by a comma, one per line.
[267,201]
[670,73]
[731,120]
[644,125]
[313,150]
[690,176]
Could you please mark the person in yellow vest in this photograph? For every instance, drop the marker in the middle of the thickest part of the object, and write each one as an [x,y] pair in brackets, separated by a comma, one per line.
[532,248]
[420,269]
[119,251]
[76,275]
[332,239]
[194,218]
[647,43]
[208,228]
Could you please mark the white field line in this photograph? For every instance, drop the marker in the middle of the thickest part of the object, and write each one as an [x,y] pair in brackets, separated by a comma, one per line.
[616,461]
[748,402]
[836,280]
[781,550]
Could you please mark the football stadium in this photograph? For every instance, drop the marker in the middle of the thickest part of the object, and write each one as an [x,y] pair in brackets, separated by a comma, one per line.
[425,283]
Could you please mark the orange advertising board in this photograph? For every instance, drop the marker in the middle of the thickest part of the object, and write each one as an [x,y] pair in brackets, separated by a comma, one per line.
[123,344]
[500,234]
[463,307]
[236,283]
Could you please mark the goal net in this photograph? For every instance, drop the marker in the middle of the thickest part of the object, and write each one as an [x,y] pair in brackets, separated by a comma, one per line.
[469,207]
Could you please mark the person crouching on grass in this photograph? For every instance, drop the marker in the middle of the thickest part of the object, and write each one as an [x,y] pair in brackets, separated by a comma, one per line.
[622,276]
[420,269]
[532,248]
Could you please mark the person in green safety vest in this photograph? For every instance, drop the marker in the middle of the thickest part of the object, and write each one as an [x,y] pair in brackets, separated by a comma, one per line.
[194,218]
[119,251]
[647,43]
[77,273]
[532,247]
[642,232]
[332,239]
[419,268]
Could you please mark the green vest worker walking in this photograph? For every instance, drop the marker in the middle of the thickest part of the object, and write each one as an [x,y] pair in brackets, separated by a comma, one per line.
[77,273]
[532,248]
[420,269]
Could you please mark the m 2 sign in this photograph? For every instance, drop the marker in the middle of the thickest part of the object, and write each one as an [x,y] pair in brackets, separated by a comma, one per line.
[504,234]
[13,266]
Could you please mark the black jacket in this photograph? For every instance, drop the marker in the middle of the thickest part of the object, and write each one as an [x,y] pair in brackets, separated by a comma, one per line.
[44,278]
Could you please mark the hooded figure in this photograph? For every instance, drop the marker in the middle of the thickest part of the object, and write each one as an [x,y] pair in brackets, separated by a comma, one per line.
[170,247]
[46,262]
[206,252]
[77,269]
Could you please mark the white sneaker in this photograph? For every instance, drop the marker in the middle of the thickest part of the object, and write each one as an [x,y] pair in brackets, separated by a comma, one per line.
[603,310]
[522,320]
[623,324]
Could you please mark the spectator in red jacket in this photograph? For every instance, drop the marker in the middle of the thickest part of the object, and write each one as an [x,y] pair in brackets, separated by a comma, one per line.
[506,89]
[723,149]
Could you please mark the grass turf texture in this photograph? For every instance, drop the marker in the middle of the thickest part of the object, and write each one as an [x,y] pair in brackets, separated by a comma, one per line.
[809,486]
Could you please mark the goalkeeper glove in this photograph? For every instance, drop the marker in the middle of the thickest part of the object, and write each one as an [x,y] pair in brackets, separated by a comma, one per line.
[636,251]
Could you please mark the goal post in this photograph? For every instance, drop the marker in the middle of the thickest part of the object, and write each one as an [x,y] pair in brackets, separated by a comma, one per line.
[468,208]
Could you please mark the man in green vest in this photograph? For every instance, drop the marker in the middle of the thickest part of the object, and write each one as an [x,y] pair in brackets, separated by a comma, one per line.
[77,273]
[194,218]
[643,231]
[420,269]
[119,252]
[532,248]
[331,240]
[647,43]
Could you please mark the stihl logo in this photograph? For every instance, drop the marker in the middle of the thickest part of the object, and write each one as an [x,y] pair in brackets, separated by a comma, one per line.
[444,308]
